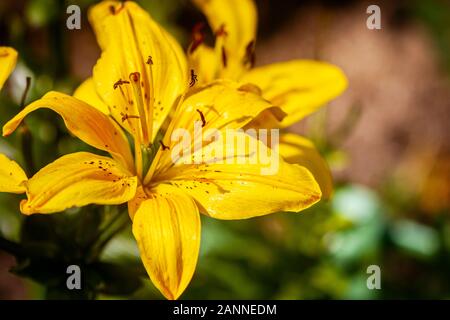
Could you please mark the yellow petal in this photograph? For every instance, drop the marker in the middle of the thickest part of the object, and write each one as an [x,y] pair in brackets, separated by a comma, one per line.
[135,203]
[299,150]
[238,20]
[76,180]
[82,120]
[8,59]
[86,92]
[299,87]
[224,105]
[132,42]
[12,177]
[221,104]
[167,230]
[204,63]
[240,183]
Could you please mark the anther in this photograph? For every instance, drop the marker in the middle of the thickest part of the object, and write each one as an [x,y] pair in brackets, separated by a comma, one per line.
[224,57]
[113,10]
[119,83]
[202,117]
[197,36]
[250,57]
[163,146]
[135,78]
[193,78]
[149,60]
[128,116]
[221,31]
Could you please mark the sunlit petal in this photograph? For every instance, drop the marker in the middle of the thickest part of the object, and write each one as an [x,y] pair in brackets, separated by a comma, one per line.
[76,180]
[219,105]
[133,43]
[12,177]
[87,92]
[167,230]
[299,150]
[8,59]
[204,63]
[86,122]
[234,22]
[243,182]
[299,87]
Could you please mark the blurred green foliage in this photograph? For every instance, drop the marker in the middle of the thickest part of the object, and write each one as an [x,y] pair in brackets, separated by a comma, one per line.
[323,252]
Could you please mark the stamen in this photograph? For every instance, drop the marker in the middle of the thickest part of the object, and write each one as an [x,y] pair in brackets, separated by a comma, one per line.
[250,57]
[119,83]
[163,146]
[128,116]
[113,10]
[150,96]
[135,83]
[202,117]
[224,57]
[221,31]
[193,78]
[197,36]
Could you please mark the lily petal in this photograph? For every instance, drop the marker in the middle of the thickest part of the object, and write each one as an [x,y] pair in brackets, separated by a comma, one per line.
[297,149]
[299,87]
[167,230]
[12,177]
[78,179]
[86,92]
[234,22]
[86,122]
[8,59]
[204,63]
[133,43]
[241,184]
[222,104]
[219,105]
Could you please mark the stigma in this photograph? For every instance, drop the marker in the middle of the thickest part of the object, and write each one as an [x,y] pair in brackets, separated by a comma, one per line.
[135,81]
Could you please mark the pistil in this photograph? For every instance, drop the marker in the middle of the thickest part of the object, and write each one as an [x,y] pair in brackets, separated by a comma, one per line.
[135,79]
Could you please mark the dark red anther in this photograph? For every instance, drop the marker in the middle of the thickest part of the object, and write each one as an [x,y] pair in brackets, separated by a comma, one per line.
[149,60]
[221,31]
[224,57]
[202,116]
[250,57]
[127,116]
[113,10]
[197,36]
[119,83]
[193,78]
[164,147]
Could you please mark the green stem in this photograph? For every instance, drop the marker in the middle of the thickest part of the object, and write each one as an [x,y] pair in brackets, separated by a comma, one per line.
[114,226]
[26,138]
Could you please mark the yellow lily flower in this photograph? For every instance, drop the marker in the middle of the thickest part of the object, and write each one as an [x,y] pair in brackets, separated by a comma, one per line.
[8,59]
[12,176]
[140,88]
[299,87]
